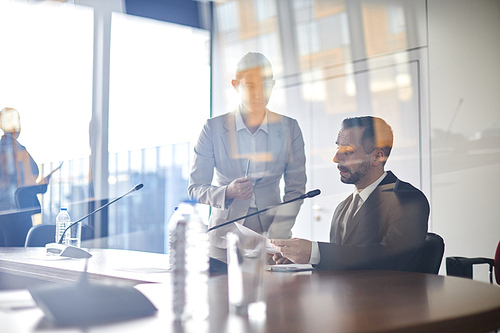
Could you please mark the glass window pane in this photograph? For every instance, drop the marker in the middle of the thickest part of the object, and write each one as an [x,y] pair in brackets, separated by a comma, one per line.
[159,100]
[159,92]
[46,66]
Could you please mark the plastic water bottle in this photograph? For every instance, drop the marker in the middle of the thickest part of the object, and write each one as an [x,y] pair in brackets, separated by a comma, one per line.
[62,222]
[73,235]
[189,263]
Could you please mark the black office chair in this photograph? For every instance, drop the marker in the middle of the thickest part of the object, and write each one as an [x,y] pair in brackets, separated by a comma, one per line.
[26,196]
[431,254]
[42,234]
[15,224]
[462,267]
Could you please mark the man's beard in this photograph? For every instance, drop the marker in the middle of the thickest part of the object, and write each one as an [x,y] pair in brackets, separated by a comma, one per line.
[355,177]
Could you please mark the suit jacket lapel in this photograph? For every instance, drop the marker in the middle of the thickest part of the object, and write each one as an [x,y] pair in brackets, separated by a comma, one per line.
[335,234]
[374,200]
[230,142]
[276,141]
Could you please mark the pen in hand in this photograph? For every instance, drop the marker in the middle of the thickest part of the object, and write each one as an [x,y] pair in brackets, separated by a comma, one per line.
[247,169]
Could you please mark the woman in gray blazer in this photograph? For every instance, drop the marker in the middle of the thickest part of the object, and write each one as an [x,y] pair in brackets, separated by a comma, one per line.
[250,150]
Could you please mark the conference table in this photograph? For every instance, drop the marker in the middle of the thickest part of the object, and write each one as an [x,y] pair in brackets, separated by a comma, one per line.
[305,301]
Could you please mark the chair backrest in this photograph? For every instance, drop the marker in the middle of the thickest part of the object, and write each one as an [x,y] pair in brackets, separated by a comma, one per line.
[26,196]
[431,254]
[14,226]
[42,234]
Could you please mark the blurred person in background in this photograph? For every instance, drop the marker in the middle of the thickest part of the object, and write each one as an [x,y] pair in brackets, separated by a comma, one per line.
[17,167]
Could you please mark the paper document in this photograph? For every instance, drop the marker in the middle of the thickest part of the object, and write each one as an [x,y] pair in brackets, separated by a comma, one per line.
[46,179]
[49,257]
[245,232]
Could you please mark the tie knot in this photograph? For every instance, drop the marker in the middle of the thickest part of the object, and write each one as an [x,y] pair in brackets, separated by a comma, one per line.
[356,199]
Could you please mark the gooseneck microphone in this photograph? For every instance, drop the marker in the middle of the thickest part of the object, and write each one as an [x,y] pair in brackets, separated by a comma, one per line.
[75,252]
[309,194]
[135,188]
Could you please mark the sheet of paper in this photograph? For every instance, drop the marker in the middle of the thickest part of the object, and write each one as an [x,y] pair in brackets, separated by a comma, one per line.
[50,258]
[145,270]
[249,232]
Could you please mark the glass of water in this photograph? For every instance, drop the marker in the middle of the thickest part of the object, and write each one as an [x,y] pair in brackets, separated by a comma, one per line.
[246,259]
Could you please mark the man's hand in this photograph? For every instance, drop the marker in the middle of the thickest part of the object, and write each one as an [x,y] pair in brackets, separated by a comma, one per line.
[296,250]
[279,259]
[240,188]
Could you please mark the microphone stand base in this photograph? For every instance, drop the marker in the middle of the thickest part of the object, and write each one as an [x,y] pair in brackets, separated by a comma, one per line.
[85,304]
[64,250]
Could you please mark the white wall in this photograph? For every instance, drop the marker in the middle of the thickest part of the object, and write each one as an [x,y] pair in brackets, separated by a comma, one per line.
[464,81]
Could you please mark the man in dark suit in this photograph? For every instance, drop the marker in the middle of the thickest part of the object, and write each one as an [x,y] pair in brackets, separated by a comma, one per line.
[382,225]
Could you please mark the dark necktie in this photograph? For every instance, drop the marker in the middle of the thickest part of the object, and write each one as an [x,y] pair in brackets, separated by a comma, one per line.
[351,214]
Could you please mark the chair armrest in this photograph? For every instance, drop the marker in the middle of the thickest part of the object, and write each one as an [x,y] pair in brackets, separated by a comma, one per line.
[462,267]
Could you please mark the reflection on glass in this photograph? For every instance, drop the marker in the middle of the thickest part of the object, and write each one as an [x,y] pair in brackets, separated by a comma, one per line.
[336,59]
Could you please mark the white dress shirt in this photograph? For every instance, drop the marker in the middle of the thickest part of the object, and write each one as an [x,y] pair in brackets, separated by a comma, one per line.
[252,147]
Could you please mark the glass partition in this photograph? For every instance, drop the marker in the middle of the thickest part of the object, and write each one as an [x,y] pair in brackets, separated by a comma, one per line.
[333,60]
[159,98]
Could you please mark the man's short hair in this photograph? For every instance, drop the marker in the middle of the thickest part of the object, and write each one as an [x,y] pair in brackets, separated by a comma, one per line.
[253,60]
[377,133]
